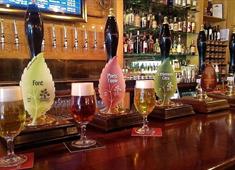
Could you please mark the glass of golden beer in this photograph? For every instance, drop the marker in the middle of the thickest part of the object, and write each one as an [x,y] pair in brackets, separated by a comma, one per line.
[144,101]
[12,121]
[83,107]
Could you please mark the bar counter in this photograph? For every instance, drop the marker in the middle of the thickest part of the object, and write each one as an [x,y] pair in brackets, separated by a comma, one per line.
[189,143]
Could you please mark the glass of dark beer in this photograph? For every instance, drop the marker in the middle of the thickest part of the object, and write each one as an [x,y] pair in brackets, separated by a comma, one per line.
[12,121]
[83,107]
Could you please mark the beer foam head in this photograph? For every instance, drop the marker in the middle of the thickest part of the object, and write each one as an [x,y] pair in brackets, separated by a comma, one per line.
[144,84]
[82,89]
[10,93]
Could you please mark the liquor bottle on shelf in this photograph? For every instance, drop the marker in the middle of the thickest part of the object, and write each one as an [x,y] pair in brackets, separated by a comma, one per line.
[210,33]
[184,27]
[174,46]
[125,44]
[192,48]
[193,23]
[194,4]
[34,29]
[201,46]
[179,45]
[232,53]
[111,35]
[137,20]
[188,3]
[175,24]
[150,44]
[157,47]
[171,24]
[149,18]
[154,23]
[75,38]
[130,44]
[137,43]
[131,17]
[165,39]
[2,34]
[180,25]
[218,36]
[189,24]
[65,38]
[145,44]
[143,21]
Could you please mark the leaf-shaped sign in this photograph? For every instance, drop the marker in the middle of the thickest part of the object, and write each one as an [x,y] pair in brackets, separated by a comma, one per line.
[112,84]
[38,87]
[165,82]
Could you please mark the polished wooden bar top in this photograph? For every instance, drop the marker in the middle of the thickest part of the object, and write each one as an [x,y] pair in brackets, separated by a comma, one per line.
[190,143]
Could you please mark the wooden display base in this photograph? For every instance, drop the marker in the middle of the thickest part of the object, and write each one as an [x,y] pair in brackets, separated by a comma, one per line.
[230,99]
[112,122]
[43,135]
[170,112]
[207,105]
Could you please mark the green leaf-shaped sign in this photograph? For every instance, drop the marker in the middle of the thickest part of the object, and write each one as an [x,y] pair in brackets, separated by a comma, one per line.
[38,88]
[165,82]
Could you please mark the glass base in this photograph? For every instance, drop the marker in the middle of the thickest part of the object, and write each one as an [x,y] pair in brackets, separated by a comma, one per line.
[83,143]
[144,131]
[42,121]
[12,160]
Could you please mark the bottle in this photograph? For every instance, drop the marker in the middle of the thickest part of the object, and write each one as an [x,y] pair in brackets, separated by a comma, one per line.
[218,33]
[206,30]
[189,24]
[130,44]
[131,17]
[137,19]
[34,29]
[150,44]
[193,24]
[175,25]
[143,21]
[149,18]
[179,45]
[111,35]
[192,48]
[137,42]
[125,44]
[194,4]
[145,44]
[210,33]
[157,47]
[180,25]
[188,3]
[154,23]
[165,39]
[184,29]
[174,46]
[232,53]
[214,32]
[171,24]
[201,46]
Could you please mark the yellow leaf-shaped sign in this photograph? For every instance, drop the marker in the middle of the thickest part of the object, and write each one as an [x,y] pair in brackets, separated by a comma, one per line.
[38,87]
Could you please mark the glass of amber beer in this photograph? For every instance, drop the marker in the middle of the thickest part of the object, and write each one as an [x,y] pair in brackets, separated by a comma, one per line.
[83,107]
[12,121]
[144,101]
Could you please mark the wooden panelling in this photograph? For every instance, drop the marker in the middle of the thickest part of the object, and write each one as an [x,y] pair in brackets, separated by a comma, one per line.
[96,17]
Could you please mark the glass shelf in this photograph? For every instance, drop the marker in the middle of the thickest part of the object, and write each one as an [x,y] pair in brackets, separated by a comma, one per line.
[212,19]
[152,56]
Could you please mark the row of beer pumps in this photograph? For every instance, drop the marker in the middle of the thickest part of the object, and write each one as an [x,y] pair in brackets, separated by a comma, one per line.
[54,37]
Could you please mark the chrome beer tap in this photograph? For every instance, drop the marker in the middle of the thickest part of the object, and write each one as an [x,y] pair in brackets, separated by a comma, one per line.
[95,37]
[75,38]
[16,35]
[53,37]
[85,38]
[2,34]
[65,38]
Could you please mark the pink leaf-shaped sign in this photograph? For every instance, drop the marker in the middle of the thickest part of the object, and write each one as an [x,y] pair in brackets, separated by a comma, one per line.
[112,84]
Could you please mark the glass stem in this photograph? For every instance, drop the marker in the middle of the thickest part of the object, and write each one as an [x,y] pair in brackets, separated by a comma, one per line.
[10,146]
[83,133]
[145,122]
